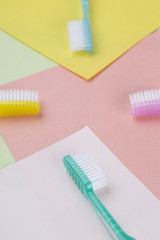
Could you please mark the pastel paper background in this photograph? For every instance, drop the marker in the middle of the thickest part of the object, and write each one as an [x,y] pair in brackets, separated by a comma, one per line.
[116,27]
[6,157]
[68,103]
[39,200]
[17,60]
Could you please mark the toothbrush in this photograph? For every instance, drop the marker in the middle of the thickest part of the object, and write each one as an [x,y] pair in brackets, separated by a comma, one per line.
[146,103]
[79,32]
[89,177]
[18,102]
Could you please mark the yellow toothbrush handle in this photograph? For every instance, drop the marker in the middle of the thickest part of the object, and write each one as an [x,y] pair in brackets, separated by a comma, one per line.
[16,108]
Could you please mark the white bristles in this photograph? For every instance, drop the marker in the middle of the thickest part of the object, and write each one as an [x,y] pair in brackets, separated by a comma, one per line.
[92,171]
[146,96]
[18,95]
[76,36]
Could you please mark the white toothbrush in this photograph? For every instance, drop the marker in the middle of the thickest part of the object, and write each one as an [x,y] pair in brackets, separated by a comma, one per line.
[79,32]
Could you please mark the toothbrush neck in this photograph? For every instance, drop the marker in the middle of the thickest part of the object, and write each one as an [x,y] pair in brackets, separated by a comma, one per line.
[85,9]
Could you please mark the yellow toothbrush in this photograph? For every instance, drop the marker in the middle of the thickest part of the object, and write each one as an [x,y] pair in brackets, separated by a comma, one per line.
[18,102]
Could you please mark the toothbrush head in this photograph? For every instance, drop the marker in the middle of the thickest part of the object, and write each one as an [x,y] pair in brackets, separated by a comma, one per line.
[18,102]
[146,103]
[79,35]
[85,172]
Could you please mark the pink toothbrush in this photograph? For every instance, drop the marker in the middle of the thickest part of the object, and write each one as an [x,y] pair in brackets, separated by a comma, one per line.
[146,103]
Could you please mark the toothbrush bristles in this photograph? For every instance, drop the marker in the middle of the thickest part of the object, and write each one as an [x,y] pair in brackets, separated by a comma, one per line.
[91,170]
[76,36]
[18,95]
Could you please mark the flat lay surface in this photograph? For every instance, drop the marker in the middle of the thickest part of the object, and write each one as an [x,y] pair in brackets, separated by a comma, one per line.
[37,192]
[46,104]
[116,26]
[17,60]
[102,104]
[6,157]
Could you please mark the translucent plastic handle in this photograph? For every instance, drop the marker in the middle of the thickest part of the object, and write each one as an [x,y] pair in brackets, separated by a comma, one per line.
[113,227]
[85,9]
[87,28]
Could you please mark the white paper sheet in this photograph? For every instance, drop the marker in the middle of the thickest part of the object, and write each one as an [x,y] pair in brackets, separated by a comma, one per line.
[40,201]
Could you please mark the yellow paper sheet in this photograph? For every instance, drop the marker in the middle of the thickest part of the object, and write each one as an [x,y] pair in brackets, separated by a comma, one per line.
[116,26]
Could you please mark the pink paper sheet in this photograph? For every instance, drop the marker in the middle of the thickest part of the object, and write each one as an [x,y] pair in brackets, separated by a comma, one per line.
[103,104]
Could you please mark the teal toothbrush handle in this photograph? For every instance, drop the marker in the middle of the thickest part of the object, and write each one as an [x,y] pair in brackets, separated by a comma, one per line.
[86,24]
[85,9]
[113,227]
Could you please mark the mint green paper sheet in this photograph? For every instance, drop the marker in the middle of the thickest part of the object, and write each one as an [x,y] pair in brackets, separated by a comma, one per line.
[18,61]
[6,157]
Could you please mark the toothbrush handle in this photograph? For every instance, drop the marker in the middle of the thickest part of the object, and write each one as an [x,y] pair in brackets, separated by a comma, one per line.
[85,9]
[115,230]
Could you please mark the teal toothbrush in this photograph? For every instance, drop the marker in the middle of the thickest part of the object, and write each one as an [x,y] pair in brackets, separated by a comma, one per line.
[89,177]
[79,32]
